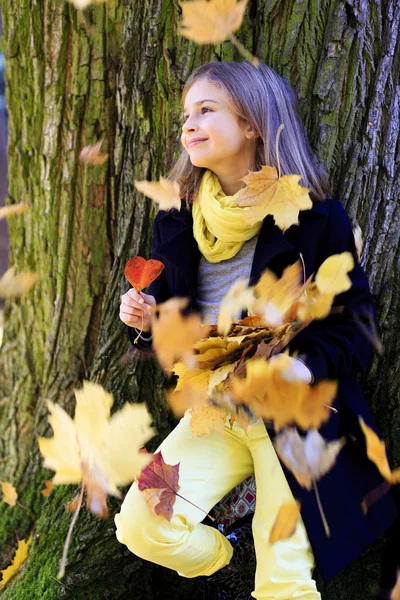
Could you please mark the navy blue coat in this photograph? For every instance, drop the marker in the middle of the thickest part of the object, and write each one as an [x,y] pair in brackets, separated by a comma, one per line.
[334,348]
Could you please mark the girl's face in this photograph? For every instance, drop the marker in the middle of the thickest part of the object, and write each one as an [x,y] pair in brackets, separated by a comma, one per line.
[208,115]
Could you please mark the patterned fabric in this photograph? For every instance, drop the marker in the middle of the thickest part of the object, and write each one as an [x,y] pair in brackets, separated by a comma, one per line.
[237,503]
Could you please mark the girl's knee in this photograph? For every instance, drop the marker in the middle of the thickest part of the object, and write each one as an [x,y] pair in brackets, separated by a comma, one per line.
[143,532]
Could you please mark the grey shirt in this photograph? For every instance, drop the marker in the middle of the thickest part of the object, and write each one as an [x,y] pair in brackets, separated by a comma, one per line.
[215,279]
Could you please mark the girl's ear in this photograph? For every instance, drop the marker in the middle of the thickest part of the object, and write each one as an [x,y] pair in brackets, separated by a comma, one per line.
[250,132]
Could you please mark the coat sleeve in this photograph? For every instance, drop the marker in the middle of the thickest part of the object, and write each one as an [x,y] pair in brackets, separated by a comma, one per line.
[159,288]
[342,343]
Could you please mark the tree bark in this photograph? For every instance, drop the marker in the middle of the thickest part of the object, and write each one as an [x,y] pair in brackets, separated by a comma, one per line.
[115,71]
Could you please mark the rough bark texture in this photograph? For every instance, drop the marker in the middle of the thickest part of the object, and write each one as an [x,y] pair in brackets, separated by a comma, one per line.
[116,71]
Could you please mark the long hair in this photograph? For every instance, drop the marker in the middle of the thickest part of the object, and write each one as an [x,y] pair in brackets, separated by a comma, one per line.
[265,100]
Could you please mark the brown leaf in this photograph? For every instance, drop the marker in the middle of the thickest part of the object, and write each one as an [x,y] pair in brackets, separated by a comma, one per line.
[159,484]
[286,522]
[48,488]
[91,154]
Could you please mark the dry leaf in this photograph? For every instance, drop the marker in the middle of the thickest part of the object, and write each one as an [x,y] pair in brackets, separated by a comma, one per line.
[211,21]
[189,396]
[13,209]
[238,297]
[332,277]
[268,393]
[141,272]
[376,452]
[197,377]
[307,458]
[286,522]
[268,194]
[159,484]
[14,286]
[102,451]
[48,488]
[174,334]
[313,304]
[20,556]
[164,192]
[208,418]
[275,297]
[10,493]
[91,154]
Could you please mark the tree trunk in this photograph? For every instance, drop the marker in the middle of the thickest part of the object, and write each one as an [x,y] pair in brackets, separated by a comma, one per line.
[115,71]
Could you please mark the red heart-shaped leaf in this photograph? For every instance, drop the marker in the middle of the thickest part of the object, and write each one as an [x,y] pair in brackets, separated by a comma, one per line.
[141,272]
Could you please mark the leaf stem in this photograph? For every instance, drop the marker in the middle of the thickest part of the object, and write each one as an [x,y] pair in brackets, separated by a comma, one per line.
[321,510]
[63,562]
[243,51]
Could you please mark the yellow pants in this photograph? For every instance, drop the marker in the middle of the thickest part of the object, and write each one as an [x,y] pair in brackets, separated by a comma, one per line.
[210,466]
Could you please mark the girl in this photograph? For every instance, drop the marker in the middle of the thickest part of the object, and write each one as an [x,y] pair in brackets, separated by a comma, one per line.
[232,112]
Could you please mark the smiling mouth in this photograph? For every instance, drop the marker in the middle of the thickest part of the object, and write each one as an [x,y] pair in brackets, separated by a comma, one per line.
[195,143]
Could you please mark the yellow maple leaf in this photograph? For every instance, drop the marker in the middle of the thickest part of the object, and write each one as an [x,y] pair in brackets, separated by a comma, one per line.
[207,418]
[331,277]
[270,395]
[269,194]
[313,304]
[286,522]
[46,491]
[14,286]
[20,556]
[275,296]
[189,395]
[174,334]
[198,377]
[13,209]
[164,192]
[376,452]
[238,297]
[211,21]
[100,450]
[10,493]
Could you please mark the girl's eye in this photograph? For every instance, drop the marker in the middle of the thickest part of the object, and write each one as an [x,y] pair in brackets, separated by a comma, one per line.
[185,117]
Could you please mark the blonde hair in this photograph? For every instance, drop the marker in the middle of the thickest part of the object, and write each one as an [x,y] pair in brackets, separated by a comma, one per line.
[265,100]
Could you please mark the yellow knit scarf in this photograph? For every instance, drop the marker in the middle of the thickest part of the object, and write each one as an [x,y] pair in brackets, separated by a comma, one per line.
[218,225]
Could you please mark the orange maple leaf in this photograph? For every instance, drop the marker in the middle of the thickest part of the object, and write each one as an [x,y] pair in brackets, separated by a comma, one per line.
[10,493]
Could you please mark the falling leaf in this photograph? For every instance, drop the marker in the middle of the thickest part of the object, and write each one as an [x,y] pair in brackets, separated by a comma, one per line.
[268,392]
[268,194]
[332,277]
[188,396]
[211,21]
[275,296]
[48,488]
[313,304]
[100,450]
[358,241]
[14,286]
[141,272]
[208,418]
[174,334]
[159,484]
[13,209]
[91,154]
[376,452]
[198,377]
[20,556]
[307,458]
[10,493]
[239,296]
[164,192]
[286,522]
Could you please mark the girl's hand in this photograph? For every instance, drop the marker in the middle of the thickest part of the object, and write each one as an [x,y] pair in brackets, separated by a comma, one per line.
[134,305]
[297,370]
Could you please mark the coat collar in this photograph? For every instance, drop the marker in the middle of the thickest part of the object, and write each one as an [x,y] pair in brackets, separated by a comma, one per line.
[180,247]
